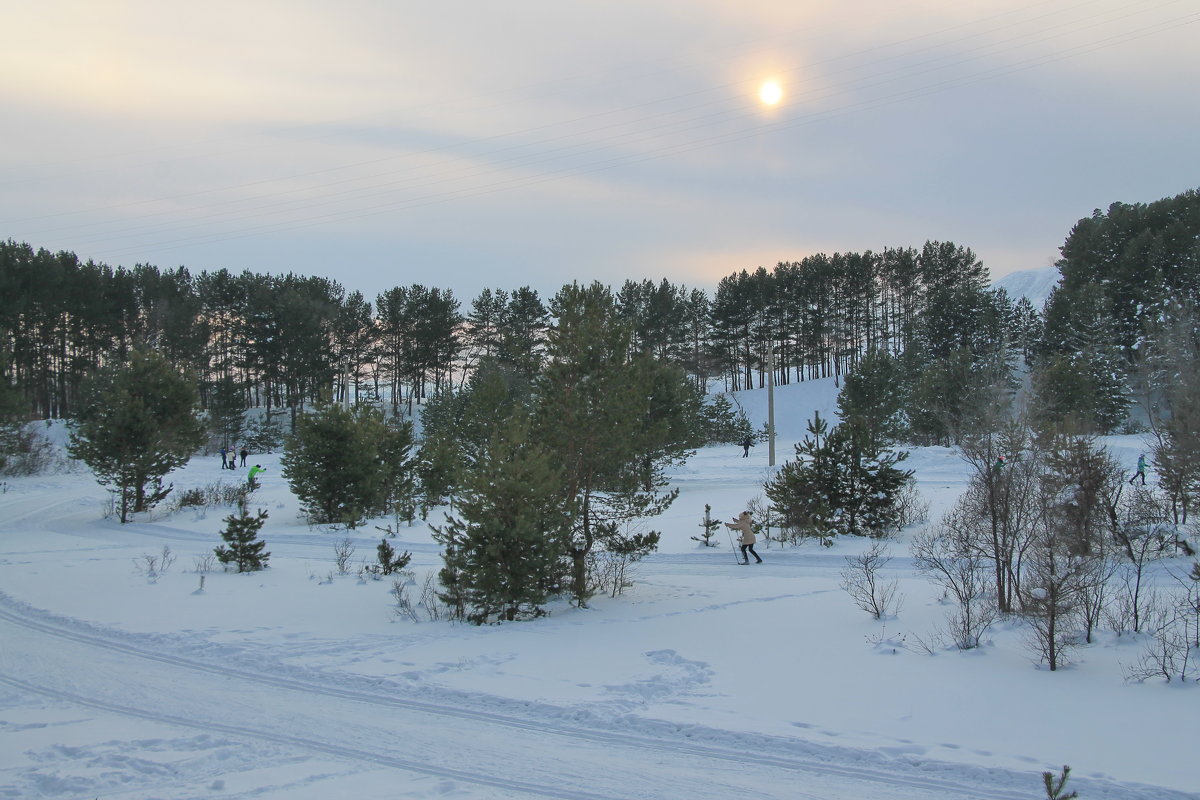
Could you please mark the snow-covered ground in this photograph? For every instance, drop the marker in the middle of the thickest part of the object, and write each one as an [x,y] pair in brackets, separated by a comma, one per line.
[704,680]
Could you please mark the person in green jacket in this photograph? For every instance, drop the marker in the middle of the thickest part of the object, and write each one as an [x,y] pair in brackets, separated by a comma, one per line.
[250,477]
[1141,470]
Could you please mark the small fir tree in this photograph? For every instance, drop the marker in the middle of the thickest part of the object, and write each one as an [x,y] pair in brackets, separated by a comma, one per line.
[244,548]
[1057,785]
[709,528]
[389,562]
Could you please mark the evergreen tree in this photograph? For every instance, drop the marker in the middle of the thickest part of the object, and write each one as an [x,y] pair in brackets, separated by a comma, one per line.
[840,483]
[793,490]
[873,394]
[389,562]
[1080,371]
[1171,377]
[137,423]
[226,413]
[12,408]
[242,545]
[264,434]
[506,547]
[612,420]
[709,528]
[1141,255]
[483,322]
[724,425]
[346,465]
[523,326]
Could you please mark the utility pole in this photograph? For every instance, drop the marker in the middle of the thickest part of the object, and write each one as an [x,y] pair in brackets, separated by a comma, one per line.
[771,404]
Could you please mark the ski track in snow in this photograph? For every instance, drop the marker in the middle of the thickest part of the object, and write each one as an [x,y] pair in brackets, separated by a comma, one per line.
[794,763]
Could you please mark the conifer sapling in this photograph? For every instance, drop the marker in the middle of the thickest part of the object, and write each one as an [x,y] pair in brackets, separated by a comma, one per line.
[244,547]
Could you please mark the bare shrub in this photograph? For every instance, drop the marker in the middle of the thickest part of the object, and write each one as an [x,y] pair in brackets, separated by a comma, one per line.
[429,598]
[218,493]
[154,565]
[203,563]
[911,507]
[1168,652]
[31,453]
[403,606]
[343,551]
[862,582]
[943,552]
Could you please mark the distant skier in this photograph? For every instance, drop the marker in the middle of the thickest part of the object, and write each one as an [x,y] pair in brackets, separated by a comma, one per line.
[243,454]
[223,452]
[253,474]
[746,443]
[999,465]
[1141,470]
[746,536]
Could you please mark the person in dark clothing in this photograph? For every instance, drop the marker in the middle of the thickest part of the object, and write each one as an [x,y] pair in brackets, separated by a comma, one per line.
[746,447]
[243,454]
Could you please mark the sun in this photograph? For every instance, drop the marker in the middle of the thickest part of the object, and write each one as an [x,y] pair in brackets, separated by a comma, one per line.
[770,93]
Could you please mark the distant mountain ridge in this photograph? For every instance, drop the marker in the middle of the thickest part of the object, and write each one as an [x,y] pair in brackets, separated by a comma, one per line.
[1035,284]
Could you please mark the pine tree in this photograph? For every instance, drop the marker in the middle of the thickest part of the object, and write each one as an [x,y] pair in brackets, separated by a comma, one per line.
[840,482]
[874,394]
[137,423]
[12,409]
[505,550]
[1055,786]
[612,420]
[346,465]
[244,548]
[226,412]
[389,562]
[1080,371]
[724,425]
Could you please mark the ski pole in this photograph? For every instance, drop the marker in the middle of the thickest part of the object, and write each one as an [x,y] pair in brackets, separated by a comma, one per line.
[728,530]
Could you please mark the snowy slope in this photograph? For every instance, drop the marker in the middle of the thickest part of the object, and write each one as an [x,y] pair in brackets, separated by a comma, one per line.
[704,680]
[1036,284]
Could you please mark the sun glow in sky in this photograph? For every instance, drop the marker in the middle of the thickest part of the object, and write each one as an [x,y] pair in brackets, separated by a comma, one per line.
[296,136]
[770,93]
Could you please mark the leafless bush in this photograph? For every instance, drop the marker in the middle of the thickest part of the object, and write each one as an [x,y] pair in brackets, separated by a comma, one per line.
[219,493]
[1168,652]
[403,606]
[928,646]
[154,565]
[203,563]
[31,453]
[429,598]
[766,518]
[862,582]
[911,507]
[962,572]
[343,550]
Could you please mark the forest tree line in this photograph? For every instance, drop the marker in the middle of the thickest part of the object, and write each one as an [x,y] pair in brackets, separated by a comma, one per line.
[284,342]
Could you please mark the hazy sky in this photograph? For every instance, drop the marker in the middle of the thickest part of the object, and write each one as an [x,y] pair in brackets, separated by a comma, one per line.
[470,144]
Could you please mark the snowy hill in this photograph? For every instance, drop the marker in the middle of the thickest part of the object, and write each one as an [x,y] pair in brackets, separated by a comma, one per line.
[1035,284]
[705,680]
